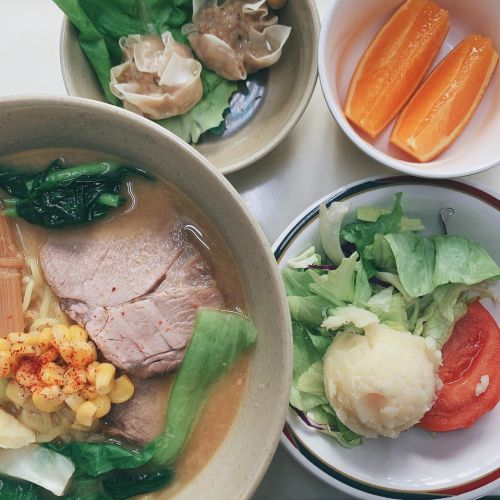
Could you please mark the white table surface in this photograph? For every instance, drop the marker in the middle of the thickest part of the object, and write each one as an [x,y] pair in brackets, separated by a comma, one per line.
[314,160]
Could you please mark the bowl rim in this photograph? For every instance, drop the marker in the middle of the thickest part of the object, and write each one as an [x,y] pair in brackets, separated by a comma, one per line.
[279,247]
[427,169]
[274,278]
[274,141]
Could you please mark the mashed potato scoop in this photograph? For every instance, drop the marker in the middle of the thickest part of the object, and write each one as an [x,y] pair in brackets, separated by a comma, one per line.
[382,382]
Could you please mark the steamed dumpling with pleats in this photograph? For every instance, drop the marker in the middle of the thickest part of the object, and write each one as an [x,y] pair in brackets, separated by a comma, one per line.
[236,38]
[159,77]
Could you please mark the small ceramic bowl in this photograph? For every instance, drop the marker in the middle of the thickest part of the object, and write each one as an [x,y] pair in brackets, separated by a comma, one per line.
[462,464]
[345,35]
[30,124]
[283,91]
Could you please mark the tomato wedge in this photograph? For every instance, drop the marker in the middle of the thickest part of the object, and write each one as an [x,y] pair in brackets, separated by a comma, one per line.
[472,351]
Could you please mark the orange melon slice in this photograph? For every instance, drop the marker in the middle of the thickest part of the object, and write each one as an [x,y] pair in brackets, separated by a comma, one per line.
[446,101]
[394,64]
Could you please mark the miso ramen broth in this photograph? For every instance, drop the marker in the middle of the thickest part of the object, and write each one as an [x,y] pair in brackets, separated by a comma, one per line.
[146,200]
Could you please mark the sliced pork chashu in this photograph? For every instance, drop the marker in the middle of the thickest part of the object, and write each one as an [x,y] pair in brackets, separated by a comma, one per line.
[136,292]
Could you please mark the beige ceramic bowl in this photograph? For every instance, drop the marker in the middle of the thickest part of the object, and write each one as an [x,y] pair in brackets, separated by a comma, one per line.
[33,123]
[287,92]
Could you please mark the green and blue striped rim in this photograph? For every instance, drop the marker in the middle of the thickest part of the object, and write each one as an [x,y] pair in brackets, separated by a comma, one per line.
[280,248]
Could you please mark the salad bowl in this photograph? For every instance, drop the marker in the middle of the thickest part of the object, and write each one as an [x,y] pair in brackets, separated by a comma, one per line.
[263,113]
[418,464]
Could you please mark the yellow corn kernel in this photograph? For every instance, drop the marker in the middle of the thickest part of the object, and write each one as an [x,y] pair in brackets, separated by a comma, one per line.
[51,354]
[86,413]
[52,374]
[16,337]
[78,333]
[48,399]
[26,374]
[78,353]
[104,378]
[16,393]
[60,334]
[5,344]
[74,401]
[40,339]
[89,392]
[123,390]
[74,380]
[103,405]
[90,371]
[25,349]
[5,364]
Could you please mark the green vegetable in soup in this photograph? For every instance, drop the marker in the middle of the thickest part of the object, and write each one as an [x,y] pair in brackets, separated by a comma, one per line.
[65,196]
[100,26]
[219,340]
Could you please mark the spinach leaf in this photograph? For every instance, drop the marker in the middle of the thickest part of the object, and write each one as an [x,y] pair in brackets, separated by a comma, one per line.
[15,489]
[65,196]
[127,484]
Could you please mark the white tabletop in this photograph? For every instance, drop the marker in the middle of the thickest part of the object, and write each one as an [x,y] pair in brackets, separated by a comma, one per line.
[314,160]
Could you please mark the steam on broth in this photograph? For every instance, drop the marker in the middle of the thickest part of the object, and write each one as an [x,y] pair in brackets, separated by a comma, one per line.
[202,267]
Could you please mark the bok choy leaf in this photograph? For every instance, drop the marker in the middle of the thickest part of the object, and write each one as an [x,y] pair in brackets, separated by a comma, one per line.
[218,341]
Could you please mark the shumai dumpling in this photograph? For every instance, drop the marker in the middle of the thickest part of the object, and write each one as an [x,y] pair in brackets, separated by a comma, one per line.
[236,38]
[159,77]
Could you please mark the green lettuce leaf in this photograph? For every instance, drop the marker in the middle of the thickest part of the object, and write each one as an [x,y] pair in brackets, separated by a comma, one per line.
[297,281]
[441,310]
[311,380]
[372,214]
[362,288]
[305,355]
[325,415]
[308,309]
[459,260]
[363,234]
[338,285]
[208,113]
[100,26]
[415,259]
[423,264]
[330,222]
[380,254]
[307,258]
[390,308]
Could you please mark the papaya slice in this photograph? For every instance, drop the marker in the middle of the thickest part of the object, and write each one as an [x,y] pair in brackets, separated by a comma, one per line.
[439,111]
[394,64]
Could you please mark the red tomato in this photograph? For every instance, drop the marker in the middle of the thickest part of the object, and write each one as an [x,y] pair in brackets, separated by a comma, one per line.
[472,351]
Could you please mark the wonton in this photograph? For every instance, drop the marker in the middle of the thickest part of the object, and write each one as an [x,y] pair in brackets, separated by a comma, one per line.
[159,77]
[236,38]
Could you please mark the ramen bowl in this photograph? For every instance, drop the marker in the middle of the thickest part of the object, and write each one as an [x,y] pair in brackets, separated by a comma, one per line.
[35,124]
[263,114]
[345,35]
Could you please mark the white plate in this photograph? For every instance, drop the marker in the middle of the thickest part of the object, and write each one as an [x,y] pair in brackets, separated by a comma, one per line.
[416,465]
